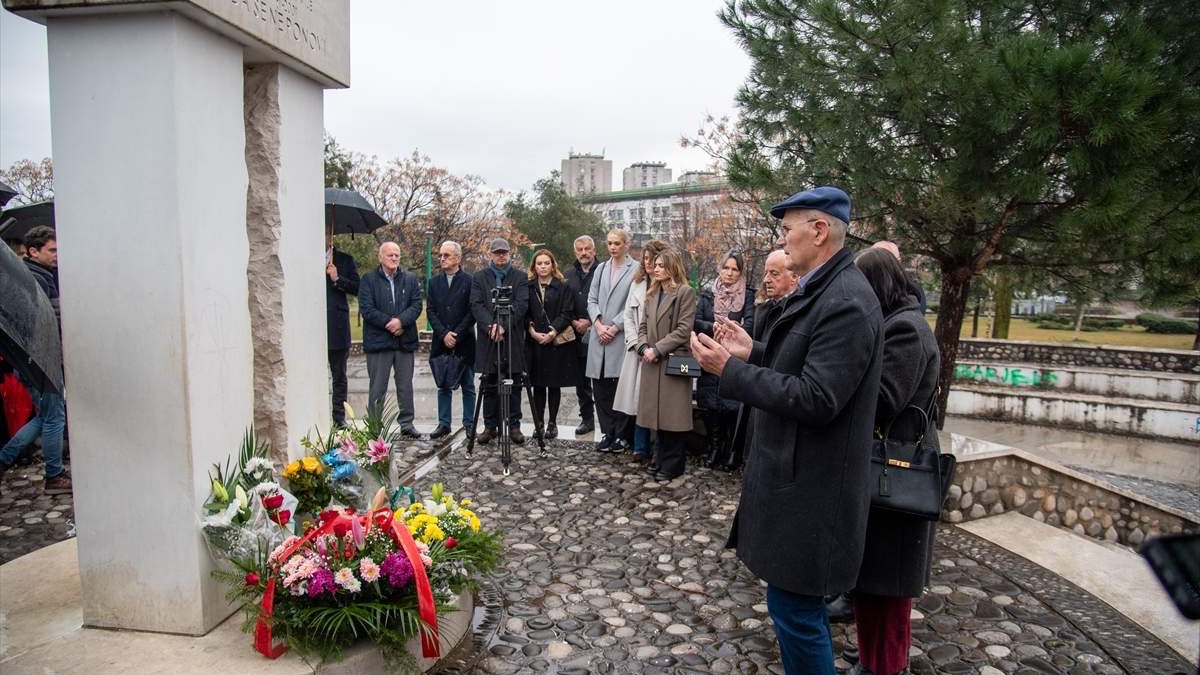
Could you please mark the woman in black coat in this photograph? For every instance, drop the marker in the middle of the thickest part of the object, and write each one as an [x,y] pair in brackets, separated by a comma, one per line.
[728,296]
[896,558]
[551,366]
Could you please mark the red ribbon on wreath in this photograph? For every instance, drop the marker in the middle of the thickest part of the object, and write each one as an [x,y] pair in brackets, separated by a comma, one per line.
[430,647]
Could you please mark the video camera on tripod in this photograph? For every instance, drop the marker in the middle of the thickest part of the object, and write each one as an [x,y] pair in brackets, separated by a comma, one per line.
[501,298]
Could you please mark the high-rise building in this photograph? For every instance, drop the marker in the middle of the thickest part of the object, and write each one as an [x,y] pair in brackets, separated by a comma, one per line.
[585,174]
[645,175]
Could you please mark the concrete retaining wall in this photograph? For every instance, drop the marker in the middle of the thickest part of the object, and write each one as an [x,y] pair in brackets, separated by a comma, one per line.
[1147,386]
[1007,479]
[1089,356]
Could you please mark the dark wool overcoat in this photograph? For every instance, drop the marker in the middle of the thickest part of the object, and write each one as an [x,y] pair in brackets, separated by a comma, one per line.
[337,308]
[898,548]
[481,307]
[580,283]
[809,390]
[551,365]
[449,310]
[664,401]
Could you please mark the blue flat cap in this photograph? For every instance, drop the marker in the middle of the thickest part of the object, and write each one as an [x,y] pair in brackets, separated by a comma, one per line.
[829,199]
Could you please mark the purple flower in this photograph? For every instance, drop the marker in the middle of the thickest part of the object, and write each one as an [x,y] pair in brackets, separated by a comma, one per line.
[397,569]
[320,582]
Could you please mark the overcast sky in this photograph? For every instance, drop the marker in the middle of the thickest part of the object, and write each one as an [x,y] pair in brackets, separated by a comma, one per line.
[499,89]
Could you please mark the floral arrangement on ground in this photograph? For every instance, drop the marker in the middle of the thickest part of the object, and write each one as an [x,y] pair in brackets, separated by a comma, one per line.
[343,570]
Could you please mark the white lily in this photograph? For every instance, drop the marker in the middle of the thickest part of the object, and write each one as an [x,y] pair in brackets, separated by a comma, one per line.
[435,509]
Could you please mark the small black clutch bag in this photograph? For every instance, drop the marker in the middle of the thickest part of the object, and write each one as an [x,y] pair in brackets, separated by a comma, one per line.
[682,365]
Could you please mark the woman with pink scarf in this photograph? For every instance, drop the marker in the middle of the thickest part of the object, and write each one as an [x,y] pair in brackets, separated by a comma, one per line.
[727,297]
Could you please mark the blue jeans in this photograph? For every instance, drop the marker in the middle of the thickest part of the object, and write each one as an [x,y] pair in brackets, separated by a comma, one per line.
[641,442]
[446,401]
[802,629]
[50,420]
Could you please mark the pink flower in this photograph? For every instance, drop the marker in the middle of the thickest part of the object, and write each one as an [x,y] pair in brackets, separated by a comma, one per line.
[360,535]
[349,448]
[450,542]
[377,450]
[252,579]
[368,569]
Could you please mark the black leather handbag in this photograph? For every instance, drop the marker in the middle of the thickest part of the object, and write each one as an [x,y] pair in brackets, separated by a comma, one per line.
[910,477]
[682,365]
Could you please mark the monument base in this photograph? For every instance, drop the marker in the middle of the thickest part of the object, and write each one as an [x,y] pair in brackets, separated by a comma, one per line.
[41,631]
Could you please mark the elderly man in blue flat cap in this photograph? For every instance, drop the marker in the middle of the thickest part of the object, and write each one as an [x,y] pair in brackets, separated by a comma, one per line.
[808,388]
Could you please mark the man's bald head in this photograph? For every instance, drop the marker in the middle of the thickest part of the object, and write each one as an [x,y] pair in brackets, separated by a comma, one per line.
[889,247]
[389,257]
[778,280]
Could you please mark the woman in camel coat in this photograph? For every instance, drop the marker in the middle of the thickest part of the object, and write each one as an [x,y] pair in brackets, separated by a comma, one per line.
[665,402]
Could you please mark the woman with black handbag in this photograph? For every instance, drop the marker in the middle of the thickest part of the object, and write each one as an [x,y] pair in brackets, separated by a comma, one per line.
[896,559]
[551,359]
[665,399]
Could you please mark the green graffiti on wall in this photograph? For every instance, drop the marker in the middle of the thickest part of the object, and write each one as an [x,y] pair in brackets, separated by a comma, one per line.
[1012,377]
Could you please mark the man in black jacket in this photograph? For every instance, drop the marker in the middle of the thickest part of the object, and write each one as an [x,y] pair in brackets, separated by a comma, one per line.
[449,311]
[341,281]
[808,390]
[492,338]
[389,300]
[579,280]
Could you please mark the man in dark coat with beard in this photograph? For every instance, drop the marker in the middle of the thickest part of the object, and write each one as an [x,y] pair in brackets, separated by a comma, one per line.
[808,390]
[491,335]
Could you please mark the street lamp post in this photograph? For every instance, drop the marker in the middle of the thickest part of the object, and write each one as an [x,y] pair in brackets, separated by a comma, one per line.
[428,274]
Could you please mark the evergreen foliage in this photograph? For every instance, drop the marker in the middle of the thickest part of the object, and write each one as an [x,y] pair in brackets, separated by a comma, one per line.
[553,219]
[1019,132]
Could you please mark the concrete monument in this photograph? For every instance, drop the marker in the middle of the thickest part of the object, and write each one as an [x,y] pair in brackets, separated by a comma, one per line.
[187,142]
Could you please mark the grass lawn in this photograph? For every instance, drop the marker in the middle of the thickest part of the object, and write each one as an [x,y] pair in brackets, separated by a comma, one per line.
[356,321]
[1131,336]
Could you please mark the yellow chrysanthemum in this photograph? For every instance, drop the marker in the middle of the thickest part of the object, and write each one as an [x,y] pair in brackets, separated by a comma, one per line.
[291,470]
[465,502]
[311,464]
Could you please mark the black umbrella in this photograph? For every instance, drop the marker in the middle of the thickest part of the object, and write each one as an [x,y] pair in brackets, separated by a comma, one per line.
[350,213]
[6,193]
[18,220]
[28,328]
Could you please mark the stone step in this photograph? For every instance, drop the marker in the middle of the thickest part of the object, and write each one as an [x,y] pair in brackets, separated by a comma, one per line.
[1157,419]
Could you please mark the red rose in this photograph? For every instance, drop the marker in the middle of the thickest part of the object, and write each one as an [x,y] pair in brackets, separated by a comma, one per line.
[282,517]
[328,515]
[273,502]
[450,542]
[340,530]
[252,579]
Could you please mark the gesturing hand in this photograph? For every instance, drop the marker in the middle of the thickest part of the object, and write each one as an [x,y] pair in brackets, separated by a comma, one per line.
[712,356]
[734,338]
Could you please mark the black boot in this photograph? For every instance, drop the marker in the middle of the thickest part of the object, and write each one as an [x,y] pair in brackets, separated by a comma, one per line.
[840,609]
[712,439]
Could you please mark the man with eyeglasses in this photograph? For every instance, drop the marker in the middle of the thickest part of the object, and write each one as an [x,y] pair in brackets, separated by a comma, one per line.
[450,315]
[808,389]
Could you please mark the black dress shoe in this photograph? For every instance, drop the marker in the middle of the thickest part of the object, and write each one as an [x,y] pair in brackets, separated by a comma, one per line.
[652,467]
[664,477]
[585,427]
[840,609]
[410,432]
[487,436]
[440,431]
[552,430]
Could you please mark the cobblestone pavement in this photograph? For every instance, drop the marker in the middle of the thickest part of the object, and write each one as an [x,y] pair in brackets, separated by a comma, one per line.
[29,518]
[1186,498]
[608,572]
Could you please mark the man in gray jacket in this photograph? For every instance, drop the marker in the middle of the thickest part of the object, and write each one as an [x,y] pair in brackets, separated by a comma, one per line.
[606,350]
[808,389]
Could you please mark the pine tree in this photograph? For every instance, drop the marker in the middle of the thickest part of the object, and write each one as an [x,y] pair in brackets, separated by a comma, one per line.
[978,131]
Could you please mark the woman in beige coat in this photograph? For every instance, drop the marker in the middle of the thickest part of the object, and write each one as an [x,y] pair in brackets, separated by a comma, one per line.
[665,402]
[631,371]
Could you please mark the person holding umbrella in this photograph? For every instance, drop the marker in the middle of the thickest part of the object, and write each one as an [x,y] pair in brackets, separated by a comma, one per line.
[341,282]
[42,245]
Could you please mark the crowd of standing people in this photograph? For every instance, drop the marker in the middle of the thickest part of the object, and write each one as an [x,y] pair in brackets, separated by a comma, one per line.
[798,378]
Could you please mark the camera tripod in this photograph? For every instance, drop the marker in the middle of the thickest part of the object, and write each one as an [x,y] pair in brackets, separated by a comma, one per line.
[502,314]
